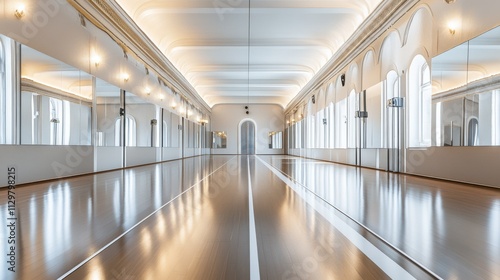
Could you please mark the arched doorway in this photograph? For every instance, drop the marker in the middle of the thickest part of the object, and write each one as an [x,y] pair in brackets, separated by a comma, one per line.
[247,137]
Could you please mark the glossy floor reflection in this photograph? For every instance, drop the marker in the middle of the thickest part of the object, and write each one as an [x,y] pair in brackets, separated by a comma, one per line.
[452,229]
[189,219]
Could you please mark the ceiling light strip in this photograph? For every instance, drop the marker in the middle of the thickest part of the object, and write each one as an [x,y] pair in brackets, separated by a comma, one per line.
[248,53]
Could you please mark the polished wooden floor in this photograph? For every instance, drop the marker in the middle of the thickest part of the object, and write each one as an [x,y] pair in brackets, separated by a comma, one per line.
[256,217]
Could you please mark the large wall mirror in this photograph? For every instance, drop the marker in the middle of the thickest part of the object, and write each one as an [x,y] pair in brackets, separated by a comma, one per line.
[219,140]
[142,128]
[56,101]
[466,93]
[108,106]
[276,140]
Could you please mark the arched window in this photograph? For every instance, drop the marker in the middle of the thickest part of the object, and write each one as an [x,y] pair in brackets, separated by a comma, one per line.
[166,141]
[391,89]
[351,119]
[419,103]
[130,131]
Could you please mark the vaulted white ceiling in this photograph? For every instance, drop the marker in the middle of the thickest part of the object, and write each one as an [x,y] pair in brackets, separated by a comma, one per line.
[229,61]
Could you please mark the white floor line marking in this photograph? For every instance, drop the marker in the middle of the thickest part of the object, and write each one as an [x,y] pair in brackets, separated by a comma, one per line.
[391,268]
[134,226]
[254,252]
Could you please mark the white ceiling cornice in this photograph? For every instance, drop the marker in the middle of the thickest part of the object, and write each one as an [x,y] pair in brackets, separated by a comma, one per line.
[386,14]
[109,17]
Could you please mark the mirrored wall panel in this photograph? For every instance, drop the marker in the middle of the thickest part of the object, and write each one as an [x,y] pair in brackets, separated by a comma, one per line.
[109,130]
[276,140]
[219,140]
[142,128]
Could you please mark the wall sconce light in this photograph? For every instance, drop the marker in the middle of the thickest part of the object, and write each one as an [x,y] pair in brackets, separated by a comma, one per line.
[173,105]
[449,1]
[148,91]
[19,13]
[162,97]
[96,59]
[452,26]
[125,77]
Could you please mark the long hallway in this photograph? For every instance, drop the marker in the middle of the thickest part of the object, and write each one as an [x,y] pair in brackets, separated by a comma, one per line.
[251,217]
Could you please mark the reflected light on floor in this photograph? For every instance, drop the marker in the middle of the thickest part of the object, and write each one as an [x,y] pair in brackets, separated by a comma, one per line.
[494,236]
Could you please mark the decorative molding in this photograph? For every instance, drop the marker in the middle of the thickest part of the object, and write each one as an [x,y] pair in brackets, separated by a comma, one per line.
[46,90]
[379,21]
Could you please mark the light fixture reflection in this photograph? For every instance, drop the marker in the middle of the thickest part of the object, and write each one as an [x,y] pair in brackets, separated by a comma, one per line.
[453,26]
[19,13]
[96,59]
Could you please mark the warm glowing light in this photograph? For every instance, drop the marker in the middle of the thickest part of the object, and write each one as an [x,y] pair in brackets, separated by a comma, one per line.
[96,59]
[162,97]
[20,11]
[147,90]
[173,105]
[453,26]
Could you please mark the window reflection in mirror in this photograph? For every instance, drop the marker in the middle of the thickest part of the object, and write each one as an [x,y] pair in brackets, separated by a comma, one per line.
[56,101]
[141,122]
[108,113]
[449,69]
[219,140]
[275,140]
[466,93]
[5,110]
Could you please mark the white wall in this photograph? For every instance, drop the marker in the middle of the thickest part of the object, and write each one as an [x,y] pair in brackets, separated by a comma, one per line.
[476,165]
[36,163]
[267,118]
